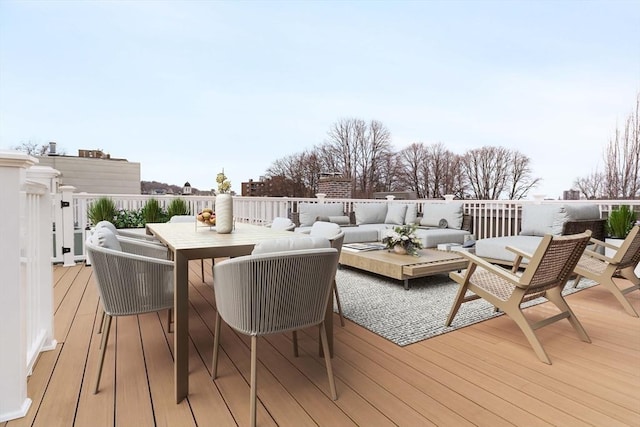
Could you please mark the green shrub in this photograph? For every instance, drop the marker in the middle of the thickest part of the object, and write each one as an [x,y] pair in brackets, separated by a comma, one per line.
[129,219]
[103,209]
[620,222]
[178,207]
[152,212]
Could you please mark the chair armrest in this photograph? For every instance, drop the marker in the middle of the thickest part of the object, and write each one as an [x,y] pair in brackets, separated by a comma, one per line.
[593,254]
[145,248]
[520,255]
[134,235]
[480,262]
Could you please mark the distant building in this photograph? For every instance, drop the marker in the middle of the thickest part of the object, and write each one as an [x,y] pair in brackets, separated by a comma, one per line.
[94,171]
[571,195]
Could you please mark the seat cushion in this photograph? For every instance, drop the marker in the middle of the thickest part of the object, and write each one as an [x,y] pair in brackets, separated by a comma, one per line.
[495,247]
[432,237]
[290,244]
[361,234]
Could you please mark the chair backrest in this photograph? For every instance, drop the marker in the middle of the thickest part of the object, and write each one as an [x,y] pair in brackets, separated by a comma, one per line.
[275,292]
[182,218]
[553,261]
[281,223]
[129,283]
[329,230]
[629,252]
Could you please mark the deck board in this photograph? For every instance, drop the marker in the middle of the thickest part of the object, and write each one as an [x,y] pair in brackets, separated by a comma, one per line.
[484,374]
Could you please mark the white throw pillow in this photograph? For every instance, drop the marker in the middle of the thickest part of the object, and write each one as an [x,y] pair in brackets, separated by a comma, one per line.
[412,214]
[370,213]
[395,214]
[451,212]
[340,220]
[576,212]
[538,220]
[103,237]
[290,244]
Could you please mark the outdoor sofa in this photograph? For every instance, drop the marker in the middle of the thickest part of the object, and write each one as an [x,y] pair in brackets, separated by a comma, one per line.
[440,222]
[538,220]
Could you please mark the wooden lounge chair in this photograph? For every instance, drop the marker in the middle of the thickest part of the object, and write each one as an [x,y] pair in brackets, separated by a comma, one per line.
[545,276]
[271,293]
[605,270]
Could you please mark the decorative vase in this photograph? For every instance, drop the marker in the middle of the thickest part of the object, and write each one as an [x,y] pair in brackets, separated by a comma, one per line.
[224,213]
[399,249]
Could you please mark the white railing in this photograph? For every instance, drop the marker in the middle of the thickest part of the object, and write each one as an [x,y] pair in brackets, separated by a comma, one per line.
[27,279]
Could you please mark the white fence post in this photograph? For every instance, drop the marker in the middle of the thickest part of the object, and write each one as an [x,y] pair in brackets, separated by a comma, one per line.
[67,246]
[14,402]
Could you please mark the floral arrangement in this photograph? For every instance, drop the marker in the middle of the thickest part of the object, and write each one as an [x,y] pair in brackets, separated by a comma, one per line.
[223,183]
[405,237]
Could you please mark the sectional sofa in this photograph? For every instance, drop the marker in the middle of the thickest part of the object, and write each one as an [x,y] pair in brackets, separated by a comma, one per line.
[538,220]
[440,222]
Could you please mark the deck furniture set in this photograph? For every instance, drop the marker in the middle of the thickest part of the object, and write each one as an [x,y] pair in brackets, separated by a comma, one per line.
[293,274]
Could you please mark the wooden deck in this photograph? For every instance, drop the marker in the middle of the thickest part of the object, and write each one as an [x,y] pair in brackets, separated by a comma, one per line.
[485,374]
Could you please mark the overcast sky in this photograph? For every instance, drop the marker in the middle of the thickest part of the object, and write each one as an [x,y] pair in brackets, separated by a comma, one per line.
[187,88]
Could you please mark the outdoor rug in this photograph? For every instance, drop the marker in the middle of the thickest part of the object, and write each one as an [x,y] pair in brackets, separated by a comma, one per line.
[404,317]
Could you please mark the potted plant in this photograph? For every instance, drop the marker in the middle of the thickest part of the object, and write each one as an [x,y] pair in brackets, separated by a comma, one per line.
[178,207]
[103,209]
[620,222]
[403,240]
[152,212]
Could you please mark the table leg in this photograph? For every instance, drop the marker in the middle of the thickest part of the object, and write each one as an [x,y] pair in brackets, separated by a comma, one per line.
[181,326]
[406,284]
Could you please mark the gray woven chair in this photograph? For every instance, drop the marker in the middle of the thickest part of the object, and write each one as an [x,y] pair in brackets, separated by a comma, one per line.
[128,284]
[546,274]
[136,243]
[283,224]
[603,269]
[335,234]
[272,293]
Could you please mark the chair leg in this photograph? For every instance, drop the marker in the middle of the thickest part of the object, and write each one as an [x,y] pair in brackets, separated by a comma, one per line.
[216,346]
[462,290]
[517,316]
[335,292]
[254,368]
[555,296]
[202,269]
[169,319]
[327,361]
[576,281]
[615,290]
[101,322]
[294,336]
[103,350]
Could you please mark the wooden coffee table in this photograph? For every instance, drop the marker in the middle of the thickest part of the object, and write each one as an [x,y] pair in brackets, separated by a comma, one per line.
[403,267]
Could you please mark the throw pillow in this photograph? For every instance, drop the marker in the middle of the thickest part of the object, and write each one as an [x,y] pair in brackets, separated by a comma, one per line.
[434,212]
[411,217]
[395,214]
[538,220]
[340,220]
[103,237]
[370,213]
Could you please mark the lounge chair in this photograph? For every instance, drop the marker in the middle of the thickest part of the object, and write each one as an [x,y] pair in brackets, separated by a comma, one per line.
[604,269]
[546,274]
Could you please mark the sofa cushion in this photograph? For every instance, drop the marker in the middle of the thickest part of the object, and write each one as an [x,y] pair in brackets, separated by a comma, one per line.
[309,212]
[396,214]
[340,219]
[495,247]
[370,213]
[432,237]
[577,212]
[290,244]
[364,233]
[434,212]
[411,217]
[538,220]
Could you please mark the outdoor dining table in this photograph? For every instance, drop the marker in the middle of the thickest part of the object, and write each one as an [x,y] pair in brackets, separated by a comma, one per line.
[189,241]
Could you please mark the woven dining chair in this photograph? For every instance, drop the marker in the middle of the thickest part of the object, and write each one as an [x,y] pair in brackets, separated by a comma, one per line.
[546,274]
[605,270]
[128,284]
[270,293]
[335,234]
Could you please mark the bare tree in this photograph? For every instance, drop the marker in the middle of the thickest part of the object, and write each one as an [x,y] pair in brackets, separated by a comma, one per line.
[622,159]
[591,186]
[487,171]
[520,181]
[32,148]
[411,160]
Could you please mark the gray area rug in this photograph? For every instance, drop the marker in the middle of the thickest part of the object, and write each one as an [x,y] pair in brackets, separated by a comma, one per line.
[404,317]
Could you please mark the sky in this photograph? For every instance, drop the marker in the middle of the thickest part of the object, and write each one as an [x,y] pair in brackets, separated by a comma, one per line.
[189,88]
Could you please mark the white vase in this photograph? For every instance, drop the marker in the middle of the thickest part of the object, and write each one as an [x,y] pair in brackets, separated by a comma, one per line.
[224,213]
